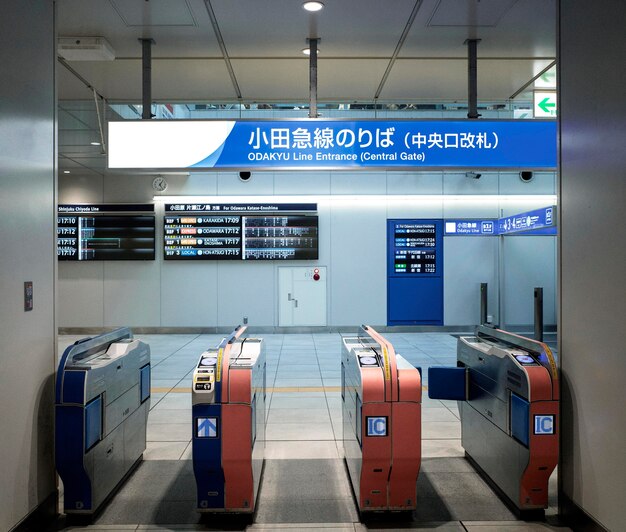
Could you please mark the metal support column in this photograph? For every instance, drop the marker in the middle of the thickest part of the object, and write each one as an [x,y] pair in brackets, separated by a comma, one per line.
[538,314]
[472,78]
[483,303]
[146,78]
[313,77]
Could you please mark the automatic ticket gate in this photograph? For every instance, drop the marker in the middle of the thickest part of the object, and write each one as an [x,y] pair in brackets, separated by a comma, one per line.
[508,393]
[101,412]
[228,413]
[381,408]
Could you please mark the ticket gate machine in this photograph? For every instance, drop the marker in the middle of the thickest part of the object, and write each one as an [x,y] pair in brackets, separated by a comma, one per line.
[101,413]
[508,392]
[228,415]
[381,409]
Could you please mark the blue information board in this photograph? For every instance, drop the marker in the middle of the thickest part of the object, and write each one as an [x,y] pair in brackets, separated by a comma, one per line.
[536,220]
[415,272]
[532,223]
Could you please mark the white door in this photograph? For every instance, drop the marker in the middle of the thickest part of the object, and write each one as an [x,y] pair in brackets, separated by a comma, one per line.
[302,296]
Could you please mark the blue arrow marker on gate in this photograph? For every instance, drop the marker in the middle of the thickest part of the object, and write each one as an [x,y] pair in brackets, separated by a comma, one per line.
[207,427]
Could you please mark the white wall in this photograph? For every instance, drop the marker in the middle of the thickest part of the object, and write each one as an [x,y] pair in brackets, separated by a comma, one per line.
[592,112]
[27,244]
[529,262]
[352,246]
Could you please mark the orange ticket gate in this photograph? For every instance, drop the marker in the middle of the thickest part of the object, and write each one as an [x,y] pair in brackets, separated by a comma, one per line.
[228,416]
[381,410]
[508,392]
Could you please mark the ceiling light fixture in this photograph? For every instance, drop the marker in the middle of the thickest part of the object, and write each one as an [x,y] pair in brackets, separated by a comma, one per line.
[94,143]
[307,51]
[66,172]
[313,6]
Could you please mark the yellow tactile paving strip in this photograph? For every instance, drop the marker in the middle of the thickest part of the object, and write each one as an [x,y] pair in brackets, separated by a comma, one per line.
[292,389]
[301,389]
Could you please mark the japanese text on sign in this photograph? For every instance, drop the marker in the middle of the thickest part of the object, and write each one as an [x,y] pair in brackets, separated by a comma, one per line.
[301,140]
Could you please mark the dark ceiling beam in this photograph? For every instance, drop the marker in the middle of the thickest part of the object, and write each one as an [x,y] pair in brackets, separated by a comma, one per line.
[220,41]
[394,56]
[532,80]
[79,77]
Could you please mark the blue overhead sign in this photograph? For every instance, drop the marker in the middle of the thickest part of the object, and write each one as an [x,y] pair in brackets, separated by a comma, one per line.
[539,219]
[470,227]
[537,222]
[332,144]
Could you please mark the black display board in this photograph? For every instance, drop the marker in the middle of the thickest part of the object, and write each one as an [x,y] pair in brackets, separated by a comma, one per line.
[207,235]
[88,232]
[414,248]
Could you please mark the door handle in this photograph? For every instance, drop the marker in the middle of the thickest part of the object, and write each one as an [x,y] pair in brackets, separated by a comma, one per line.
[289,298]
[296,302]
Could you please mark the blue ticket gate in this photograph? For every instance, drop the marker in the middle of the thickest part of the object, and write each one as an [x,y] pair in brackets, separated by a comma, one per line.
[101,412]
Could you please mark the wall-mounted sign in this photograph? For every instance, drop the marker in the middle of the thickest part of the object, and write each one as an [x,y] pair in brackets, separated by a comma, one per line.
[331,144]
[240,207]
[206,232]
[536,220]
[105,232]
[105,207]
[470,227]
[414,272]
[544,104]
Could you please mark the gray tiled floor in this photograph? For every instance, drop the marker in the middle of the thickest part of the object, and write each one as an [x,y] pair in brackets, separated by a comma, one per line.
[305,485]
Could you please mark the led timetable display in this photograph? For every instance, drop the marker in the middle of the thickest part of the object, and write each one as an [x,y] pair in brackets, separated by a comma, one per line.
[204,234]
[415,248]
[89,232]
[415,272]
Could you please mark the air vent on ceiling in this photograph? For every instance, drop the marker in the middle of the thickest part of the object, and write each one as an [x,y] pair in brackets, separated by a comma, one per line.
[85,49]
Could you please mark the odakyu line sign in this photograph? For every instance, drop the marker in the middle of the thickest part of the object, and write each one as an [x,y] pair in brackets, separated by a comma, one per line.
[313,144]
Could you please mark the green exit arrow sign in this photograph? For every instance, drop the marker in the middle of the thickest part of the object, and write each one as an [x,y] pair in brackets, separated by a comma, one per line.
[545,104]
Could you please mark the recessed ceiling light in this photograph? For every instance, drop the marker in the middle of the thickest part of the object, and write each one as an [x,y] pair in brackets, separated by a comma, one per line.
[95,143]
[66,172]
[307,51]
[313,6]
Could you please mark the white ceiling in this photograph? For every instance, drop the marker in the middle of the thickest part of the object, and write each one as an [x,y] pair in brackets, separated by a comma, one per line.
[264,39]
[398,50]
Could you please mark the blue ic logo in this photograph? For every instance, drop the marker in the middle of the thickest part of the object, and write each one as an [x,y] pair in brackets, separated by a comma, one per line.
[549,216]
[544,424]
[487,227]
[376,426]
[206,427]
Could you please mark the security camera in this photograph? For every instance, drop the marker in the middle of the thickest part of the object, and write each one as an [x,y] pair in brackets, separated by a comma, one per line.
[245,176]
[526,176]
[473,175]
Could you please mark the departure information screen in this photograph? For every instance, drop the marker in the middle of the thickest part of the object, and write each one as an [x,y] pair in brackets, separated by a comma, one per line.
[415,248]
[208,235]
[98,232]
